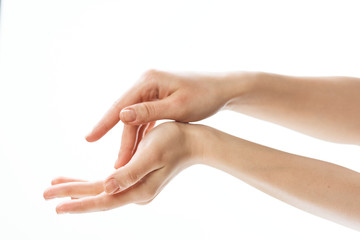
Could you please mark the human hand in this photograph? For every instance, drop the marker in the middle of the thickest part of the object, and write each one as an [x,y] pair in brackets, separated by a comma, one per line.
[161,155]
[162,95]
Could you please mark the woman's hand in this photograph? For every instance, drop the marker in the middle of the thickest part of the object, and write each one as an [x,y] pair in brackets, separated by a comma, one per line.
[161,155]
[162,95]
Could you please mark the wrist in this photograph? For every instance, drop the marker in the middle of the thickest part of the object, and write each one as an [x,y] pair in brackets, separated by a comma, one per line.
[205,144]
[240,86]
[220,150]
[197,138]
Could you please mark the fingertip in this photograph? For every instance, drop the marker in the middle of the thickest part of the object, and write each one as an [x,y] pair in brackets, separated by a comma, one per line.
[57,180]
[44,195]
[95,134]
[128,115]
[47,195]
[117,164]
[60,209]
[90,138]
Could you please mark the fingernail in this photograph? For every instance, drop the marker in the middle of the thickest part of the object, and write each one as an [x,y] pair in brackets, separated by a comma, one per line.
[111,186]
[128,115]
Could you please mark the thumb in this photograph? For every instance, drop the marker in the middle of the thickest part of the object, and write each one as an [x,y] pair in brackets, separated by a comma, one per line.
[130,174]
[146,112]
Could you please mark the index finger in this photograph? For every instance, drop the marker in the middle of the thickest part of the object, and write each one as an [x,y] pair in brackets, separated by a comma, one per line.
[111,117]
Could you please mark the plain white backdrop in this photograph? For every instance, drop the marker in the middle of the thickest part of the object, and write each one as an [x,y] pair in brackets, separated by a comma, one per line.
[63,63]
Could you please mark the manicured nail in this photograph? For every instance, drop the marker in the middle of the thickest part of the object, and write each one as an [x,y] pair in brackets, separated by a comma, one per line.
[128,115]
[111,186]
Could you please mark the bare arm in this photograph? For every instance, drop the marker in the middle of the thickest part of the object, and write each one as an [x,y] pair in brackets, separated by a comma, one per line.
[323,107]
[321,188]
[315,186]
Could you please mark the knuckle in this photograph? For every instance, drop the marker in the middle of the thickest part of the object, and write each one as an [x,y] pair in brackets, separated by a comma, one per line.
[150,75]
[154,151]
[182,98]
[116,103]
[68,192]
[173,128]
[125,148]
[183,112]
[101,206]
[129,179]
[132,176]
[148,109]
[127,144]
[81,205]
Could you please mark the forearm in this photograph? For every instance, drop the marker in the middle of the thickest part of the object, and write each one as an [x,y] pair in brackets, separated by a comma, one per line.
[318,187]
[324,107]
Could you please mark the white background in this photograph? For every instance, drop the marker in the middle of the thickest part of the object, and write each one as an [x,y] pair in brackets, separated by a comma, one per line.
[63,63]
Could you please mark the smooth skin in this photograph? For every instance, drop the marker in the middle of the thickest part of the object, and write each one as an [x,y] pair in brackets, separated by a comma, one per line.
[161,95]
[161,155]
[148,159]
[323,107]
